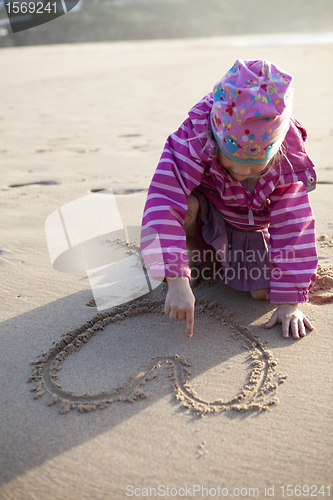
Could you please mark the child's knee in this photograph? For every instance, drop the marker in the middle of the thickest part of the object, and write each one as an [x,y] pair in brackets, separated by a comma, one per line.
[259,294]
[192,212]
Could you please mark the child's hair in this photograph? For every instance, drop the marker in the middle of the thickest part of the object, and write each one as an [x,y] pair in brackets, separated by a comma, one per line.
[279,155]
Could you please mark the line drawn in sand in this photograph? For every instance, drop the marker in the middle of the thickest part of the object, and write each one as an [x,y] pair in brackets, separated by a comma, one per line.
[258,393]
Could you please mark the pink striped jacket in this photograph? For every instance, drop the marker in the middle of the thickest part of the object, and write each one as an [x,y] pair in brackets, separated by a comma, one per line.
[280,203]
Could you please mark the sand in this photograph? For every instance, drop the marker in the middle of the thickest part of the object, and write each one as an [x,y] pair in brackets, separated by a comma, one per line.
[122,399]
[262,379]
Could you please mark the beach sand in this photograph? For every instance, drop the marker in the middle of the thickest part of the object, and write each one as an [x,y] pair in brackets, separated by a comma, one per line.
[120,401]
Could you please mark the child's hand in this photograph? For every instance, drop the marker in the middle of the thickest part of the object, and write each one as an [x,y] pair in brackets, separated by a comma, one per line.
[290,316]
[179,302]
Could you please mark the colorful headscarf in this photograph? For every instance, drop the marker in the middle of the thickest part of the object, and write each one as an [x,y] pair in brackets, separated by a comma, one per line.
[251,110]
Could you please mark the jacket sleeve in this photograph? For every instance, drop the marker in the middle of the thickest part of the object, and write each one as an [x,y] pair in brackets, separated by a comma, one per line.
[292,246]
[179,171]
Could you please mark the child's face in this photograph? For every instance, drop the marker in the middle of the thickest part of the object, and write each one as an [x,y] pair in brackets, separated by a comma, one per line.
[240,171]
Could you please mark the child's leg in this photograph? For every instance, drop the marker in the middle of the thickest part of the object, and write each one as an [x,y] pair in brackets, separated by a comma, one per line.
[259,294]
[190,226]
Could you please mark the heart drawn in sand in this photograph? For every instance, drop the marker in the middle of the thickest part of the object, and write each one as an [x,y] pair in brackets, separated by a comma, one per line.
[258,392]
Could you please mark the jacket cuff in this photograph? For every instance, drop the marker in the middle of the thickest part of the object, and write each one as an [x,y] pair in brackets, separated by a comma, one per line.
[169,270]
[174,270]
[295,297]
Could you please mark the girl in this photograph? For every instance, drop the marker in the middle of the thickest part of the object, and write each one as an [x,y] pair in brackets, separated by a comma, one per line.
[230,193]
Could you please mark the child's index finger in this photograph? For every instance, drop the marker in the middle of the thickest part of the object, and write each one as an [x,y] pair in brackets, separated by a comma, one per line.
[189,319]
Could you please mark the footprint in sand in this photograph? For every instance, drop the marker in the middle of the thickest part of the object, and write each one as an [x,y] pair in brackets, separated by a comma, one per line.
[257,391]
[129,135]
[120,191]
[42,183]
[87,151]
